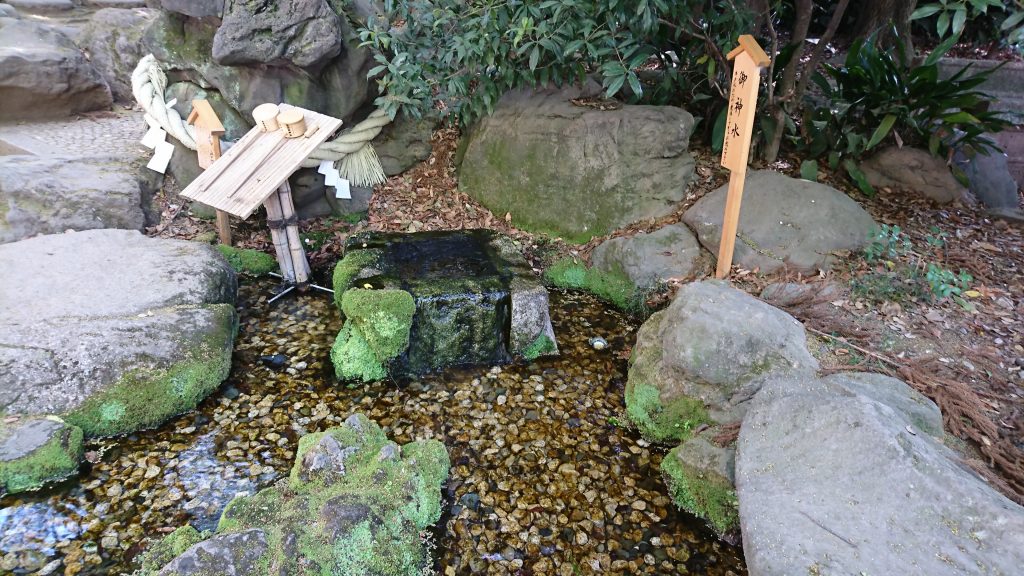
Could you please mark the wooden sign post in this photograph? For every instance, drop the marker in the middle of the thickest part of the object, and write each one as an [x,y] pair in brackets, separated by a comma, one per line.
[208,133]
[748,59]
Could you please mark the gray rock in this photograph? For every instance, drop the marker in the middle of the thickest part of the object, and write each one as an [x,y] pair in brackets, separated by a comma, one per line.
[669,252]
[8,11]
[44,75]
[404,143]
[235,125]
[35,450]
[194,8]
[325,460]
[835,476]
[42,6]
[46,195]
[312,198]
[700,477]
[701,359]
[305,33]
[784,222]
[574,171]
[113,41]
[226,554]
[112,330]
[786,294]
[914,170]
[339,89]
[990,179]
[120,4]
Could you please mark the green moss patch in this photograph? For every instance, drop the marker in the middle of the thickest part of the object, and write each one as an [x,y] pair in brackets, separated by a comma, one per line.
[613,287]
[55,459]
[168,548]
[349,267]
[539,347]
[660,422]
[145,397]
[703,494]
[247,261]
[376,331]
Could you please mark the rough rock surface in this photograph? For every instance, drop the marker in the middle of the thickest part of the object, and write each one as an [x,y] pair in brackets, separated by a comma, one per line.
[403,143]
[194,8]
[784,222]
[574,171]
[312,198]
[669,252]
[8,11]
[700,476]
[113,41]
[990,179]
[47,195]
[306,33]
[843,475]
[37,449]
[44,75]
[183,46]
[112,330]
[915,170]
[354,503]
[702,358]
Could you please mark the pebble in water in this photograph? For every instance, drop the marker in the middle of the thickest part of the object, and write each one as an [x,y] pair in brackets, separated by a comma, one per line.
[542,479]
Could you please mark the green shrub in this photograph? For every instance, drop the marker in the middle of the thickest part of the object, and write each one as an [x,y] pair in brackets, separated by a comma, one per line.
[877,96]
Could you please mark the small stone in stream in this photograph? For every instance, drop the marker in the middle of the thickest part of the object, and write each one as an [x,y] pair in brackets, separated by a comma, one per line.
[598,343]
[230,392]
[471,501]
[532,415]
[275,361]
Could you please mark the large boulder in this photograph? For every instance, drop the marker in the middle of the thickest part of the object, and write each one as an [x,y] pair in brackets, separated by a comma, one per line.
[51,194]
[785,222]
[112,330]
[701,359]
[648,258]
[113,41]
[305,33]
[846,475]
[35,450]
[194,8]
[575,171]
[44,75]
[184,46]
[354,503]
[989,178]
[915,170]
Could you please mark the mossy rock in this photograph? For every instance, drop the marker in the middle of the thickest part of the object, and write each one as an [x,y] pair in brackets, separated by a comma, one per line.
[355,264]
[700,476]
[35,450]
[248,261]
[354,503]
[168,548]
[376,331]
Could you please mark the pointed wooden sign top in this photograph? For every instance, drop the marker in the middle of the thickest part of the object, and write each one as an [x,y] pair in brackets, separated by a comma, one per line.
[749,45]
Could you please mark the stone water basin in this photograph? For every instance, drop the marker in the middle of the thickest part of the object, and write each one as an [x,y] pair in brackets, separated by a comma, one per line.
[544,480]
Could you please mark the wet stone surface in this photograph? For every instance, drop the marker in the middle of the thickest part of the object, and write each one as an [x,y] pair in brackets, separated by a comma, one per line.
[543,480]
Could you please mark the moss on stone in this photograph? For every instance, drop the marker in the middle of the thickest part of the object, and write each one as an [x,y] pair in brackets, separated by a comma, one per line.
[145,397]
[611,286]
[659,422]
[384,316]
[539,347]
[56,459]
[168,548]
[703,494]
[352,357]
[248,261]
[348,268]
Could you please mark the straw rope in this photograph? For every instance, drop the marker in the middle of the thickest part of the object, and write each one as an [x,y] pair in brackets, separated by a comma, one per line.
[355,158]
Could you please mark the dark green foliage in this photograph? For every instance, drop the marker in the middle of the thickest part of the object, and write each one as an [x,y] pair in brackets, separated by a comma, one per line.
[878,97]
[904,272]
[467,54]
[539,347]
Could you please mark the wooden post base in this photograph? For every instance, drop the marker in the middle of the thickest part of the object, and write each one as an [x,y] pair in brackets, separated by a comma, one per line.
[224,227]
[285,233]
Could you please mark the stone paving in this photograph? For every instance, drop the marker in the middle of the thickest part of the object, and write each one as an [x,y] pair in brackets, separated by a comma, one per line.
[96,134]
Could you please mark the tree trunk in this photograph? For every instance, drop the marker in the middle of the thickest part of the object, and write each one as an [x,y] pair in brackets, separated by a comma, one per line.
[880,16]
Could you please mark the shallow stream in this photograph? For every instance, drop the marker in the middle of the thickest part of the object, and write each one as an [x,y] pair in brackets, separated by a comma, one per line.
[544,479]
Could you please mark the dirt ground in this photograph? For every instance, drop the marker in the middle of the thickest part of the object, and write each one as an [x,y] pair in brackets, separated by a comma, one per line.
[966,353]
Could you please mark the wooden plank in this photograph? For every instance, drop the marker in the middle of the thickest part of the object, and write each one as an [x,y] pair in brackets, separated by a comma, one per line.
[257,165]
